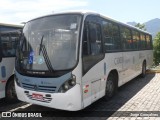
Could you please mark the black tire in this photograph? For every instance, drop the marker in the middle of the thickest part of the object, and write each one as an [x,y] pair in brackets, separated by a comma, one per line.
[111,86]
[11,95]
[143,74]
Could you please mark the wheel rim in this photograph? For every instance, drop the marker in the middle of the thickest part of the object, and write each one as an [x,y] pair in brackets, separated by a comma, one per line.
[109,87]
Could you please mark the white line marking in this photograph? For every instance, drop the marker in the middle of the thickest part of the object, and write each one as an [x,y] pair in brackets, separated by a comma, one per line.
[21,107]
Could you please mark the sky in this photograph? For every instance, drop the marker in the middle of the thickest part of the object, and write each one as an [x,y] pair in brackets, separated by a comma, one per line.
[18,11]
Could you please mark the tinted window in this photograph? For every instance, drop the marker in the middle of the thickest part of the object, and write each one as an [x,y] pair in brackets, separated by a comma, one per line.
[95,38]
[127,38]
[135,36]
[148,42]
[92,45]
[151,42]
[143,41]
[9,41]
[112,41]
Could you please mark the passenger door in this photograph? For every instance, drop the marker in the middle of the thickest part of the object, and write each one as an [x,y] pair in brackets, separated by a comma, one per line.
[92,60]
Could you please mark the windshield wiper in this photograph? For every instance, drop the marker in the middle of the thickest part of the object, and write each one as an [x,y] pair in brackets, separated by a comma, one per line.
[40,48]
[46,58]
[45,55]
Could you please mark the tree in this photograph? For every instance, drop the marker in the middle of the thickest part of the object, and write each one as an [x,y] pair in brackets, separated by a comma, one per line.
[140,26]
[156,48]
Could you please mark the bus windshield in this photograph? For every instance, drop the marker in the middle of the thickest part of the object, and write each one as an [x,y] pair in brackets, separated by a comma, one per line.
[50,43]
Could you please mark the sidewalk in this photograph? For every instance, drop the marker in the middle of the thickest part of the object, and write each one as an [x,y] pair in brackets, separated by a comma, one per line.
[154,69]
[147,99]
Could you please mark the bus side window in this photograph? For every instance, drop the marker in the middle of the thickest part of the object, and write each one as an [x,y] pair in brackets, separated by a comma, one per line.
[92,45]
[148,43]
[111,36]
[8,42]
[5,41]
[86,49]
[127,38]
[143,41]
[95,39]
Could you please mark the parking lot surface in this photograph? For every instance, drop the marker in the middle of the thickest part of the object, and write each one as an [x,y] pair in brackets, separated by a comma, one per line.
[139,99]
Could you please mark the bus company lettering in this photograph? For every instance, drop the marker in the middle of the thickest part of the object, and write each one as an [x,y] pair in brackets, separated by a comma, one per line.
[118,60]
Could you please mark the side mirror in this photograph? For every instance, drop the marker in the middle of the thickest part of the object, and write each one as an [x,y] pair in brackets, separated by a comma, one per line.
[0,56]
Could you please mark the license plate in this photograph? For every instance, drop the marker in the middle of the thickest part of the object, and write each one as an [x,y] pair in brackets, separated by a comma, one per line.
[37,96]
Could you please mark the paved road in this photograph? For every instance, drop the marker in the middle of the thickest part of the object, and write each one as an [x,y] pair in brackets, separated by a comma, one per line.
[137,95]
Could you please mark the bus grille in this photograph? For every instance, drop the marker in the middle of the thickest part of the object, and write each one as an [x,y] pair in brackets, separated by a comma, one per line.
[40,88]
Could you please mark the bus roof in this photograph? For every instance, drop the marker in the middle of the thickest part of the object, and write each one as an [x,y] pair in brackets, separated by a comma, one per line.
[88,12]
[11,25]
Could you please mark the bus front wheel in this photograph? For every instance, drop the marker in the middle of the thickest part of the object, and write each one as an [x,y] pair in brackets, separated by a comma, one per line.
[111,86]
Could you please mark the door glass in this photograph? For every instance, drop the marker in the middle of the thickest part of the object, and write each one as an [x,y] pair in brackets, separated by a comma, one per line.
[92,45]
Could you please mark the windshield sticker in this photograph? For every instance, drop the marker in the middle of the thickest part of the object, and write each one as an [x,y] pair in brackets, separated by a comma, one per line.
[31,57]
[73,26]
[40,60]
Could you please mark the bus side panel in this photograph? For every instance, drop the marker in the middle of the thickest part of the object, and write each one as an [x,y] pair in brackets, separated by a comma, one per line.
[91,82]
[137,63]
[114,61]
[131,65]
[133,61]
[6,70]
[94,81]
[149,58]
[146,55]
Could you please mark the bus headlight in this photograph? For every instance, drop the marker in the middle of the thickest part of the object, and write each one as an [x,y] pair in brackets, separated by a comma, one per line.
[72,82]
[65,86]
[68,84]
[17,81]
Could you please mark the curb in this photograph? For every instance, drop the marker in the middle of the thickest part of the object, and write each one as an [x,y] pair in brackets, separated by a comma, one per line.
[152,71]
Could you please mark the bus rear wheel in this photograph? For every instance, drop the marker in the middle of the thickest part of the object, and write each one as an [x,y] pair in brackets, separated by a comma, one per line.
[11,96]
[111,86]
[143,74]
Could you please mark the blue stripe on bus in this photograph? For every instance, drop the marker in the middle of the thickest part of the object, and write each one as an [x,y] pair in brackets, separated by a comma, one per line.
[3,71]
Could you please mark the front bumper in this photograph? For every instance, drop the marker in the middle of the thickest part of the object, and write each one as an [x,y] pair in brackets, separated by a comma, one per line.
[70,100]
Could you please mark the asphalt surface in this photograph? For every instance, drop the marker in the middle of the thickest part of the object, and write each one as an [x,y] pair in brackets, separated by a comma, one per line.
[137,96]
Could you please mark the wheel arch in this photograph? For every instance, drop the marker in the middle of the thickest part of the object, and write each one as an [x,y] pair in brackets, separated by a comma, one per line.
[145,61]
[9,79]
[115,72]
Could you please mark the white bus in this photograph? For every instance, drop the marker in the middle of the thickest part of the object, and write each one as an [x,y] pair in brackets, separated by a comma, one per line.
[9,35]
[69,60]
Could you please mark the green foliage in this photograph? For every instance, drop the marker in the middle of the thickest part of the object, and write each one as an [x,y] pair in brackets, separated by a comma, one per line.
[156,48]
[140,26]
